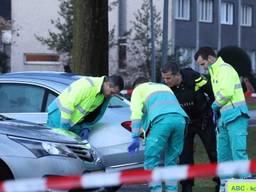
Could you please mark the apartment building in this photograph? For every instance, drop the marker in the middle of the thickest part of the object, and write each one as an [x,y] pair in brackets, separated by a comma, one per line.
[215,23]
[192,23]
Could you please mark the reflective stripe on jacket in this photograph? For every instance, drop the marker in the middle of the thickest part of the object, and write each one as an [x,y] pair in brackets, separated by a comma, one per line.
[227,90]
[80,98]
[150,100]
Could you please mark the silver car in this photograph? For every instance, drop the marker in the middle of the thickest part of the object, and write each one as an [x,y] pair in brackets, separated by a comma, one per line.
[29,150]
[26,95]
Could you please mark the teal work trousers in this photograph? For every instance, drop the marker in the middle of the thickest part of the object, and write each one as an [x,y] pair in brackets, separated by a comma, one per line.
[231,142]
[166,134]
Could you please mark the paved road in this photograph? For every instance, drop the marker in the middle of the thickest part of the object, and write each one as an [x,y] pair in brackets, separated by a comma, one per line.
[133,188]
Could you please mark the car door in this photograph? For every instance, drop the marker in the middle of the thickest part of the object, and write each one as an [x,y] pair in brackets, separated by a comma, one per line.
[25,101]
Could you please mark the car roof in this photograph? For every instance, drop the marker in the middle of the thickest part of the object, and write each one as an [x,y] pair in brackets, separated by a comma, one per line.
[56,81]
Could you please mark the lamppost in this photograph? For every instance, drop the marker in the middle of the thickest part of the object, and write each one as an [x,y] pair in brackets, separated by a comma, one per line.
[153,54]
[122,30]
[165,33]
[6,41]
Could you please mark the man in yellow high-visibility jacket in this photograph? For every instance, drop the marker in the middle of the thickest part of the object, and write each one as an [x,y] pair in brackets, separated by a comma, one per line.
[81,98]
[155,109]
[230,102]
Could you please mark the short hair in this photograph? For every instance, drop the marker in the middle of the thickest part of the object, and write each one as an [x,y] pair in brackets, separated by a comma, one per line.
[116,80]
[204,52]
[170,67]
[139,80]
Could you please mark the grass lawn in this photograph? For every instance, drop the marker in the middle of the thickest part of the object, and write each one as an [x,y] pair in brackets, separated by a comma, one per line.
[252,106]
[251,102]
[207,185]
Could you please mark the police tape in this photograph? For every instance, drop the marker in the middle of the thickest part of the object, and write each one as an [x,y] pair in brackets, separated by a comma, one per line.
[104,179]
[249,94]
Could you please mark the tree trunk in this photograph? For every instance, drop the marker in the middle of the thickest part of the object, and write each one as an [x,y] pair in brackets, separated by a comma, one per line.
[90,42]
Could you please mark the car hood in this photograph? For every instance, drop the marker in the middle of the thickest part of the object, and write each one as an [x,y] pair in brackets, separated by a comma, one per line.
[32,131]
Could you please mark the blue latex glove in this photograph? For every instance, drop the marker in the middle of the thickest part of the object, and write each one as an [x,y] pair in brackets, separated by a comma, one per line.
[215,117]
[215,107]
[85,134]
[135,145]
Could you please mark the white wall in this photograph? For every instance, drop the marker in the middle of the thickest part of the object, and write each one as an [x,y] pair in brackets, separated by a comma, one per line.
[33,17]
[30,18]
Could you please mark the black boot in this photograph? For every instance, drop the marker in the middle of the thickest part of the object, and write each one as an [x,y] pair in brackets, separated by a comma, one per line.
[186,188]
[217,181]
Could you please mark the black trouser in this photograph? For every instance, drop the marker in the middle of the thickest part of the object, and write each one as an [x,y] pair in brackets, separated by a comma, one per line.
[206,132]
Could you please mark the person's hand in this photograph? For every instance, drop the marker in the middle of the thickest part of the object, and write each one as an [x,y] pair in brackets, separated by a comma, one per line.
[215,112]
[215,117]
[85,134]
[135,145]
[215,107]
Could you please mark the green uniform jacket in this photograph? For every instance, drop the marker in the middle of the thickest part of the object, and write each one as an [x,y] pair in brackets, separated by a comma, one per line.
[150,100]
[80,98]
[227,90]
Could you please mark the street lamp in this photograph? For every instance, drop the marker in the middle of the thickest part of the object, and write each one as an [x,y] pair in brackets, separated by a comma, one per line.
[153,56]
[6,39]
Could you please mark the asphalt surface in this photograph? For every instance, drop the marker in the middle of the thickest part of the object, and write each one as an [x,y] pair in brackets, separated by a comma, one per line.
[134,188]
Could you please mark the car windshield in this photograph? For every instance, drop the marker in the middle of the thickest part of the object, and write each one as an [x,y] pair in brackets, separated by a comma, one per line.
[118,101]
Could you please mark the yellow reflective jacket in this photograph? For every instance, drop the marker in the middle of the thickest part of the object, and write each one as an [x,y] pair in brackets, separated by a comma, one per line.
[80,98]
[227,90]
[150,100]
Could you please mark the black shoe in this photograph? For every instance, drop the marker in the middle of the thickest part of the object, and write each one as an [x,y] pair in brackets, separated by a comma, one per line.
[217,188]
[217,181]
[187,188]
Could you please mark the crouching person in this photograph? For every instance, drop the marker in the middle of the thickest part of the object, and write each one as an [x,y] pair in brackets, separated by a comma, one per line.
[155,109]
[69,111]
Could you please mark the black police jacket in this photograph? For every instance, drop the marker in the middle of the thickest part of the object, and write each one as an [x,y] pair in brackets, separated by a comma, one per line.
[195,103]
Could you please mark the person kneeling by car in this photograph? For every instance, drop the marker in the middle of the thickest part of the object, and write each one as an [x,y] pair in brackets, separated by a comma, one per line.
[155,108]
[70,109]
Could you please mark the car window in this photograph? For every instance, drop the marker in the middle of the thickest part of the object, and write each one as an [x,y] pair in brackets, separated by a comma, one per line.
[117,102]
[50,98]
[17,98]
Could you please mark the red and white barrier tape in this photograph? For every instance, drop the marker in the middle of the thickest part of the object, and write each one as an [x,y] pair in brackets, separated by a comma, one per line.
[93,180]
[250,94]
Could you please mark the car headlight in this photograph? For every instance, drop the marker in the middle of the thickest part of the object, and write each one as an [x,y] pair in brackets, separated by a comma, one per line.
[43,148]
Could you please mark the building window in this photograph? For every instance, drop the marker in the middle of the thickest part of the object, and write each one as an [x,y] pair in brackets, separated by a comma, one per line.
[38,58]
[246,15]
[227,13]
[182,10]
[205,11]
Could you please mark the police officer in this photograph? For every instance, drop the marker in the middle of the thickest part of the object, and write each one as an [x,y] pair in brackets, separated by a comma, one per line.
[230,102]
[70,109]
[194,94]
[155,109]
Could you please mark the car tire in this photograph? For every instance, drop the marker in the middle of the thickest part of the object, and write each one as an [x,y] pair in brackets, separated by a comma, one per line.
[5,173]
